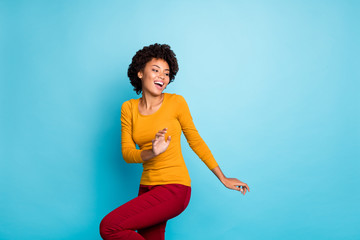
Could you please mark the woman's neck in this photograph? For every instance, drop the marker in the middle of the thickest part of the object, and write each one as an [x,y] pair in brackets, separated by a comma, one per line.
[149,101]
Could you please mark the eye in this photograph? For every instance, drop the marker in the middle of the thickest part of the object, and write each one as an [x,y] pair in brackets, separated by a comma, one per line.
[155,70]
[167,74]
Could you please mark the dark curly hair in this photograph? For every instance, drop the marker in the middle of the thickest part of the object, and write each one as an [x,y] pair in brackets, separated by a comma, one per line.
[145,55]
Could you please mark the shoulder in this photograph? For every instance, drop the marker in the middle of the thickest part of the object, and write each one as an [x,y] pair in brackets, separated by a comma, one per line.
[177,98]
[128,105]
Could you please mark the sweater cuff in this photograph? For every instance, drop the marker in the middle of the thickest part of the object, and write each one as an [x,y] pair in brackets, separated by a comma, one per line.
[138,158]
[211,163]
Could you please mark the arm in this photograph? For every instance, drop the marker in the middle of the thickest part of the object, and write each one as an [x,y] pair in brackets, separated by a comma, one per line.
[192,136]
[231,183]
[201,149]
[128,148]
[147,154]
[159,145]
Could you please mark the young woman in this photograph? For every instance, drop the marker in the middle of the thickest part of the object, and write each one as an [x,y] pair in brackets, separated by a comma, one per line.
[154,122]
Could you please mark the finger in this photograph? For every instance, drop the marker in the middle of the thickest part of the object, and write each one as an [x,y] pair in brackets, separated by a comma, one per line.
[244,185]
[247,187]
[242,190]
[159,135]
[156,140]
[169,138]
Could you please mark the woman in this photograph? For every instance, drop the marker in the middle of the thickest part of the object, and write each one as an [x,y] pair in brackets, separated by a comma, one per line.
[165,183]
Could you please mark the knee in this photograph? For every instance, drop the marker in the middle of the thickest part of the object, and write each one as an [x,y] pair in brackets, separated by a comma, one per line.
[110,228]
[105,229]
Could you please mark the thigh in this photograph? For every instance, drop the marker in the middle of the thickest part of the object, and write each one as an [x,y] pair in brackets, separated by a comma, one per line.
[174,197]
[157,232]
[154,205]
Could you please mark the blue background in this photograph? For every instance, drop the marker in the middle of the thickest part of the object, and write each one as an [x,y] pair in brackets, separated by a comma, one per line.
[273,87]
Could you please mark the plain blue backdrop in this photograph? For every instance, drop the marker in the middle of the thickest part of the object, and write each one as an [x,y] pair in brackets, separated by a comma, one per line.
[273,87]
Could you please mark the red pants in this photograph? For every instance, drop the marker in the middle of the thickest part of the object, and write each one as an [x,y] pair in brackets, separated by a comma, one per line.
[147,213]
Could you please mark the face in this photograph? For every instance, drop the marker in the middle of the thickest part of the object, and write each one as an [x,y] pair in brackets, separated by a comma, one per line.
[155,76]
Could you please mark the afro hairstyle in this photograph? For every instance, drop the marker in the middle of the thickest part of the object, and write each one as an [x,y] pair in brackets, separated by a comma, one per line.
[143,56]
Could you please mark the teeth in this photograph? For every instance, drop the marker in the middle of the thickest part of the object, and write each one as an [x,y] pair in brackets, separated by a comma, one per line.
[160,83]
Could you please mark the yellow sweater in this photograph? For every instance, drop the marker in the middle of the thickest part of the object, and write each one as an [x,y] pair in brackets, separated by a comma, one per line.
[169,166]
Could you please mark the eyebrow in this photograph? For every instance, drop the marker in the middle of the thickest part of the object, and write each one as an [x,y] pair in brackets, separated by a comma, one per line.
[159,67]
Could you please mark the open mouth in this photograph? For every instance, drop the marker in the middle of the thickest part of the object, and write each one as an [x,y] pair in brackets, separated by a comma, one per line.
[159,84]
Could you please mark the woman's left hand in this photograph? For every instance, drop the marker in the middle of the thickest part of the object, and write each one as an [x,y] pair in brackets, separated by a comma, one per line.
[236,184]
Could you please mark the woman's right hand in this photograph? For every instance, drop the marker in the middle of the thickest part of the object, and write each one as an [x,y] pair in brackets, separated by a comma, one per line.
[159,145]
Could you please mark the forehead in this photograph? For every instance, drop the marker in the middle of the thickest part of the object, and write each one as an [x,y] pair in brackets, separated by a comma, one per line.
[159,62]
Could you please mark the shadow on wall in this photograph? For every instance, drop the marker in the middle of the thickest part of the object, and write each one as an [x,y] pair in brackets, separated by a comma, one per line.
[116,181]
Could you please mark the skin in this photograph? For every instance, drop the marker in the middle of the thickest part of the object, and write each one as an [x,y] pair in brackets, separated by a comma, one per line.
[150,102]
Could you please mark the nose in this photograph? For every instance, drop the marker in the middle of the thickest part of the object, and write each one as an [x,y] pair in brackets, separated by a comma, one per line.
[162,75]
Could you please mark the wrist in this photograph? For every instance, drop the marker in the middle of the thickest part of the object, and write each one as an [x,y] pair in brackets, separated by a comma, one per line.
[219,174]
[147,154]
[223,179]
[153,153]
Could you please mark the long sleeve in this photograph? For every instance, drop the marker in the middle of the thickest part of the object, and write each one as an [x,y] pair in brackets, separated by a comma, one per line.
[194,139]
[128,147]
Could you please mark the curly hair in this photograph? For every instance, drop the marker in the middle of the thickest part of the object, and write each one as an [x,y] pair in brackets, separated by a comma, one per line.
[145,55]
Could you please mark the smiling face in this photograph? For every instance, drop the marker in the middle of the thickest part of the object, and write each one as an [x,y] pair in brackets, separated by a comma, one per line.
[155,76]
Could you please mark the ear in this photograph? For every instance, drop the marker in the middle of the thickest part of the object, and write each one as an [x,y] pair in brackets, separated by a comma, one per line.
[140,74]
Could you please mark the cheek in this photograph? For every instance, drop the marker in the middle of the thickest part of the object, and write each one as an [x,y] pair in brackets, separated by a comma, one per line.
[152,76]
[148,78]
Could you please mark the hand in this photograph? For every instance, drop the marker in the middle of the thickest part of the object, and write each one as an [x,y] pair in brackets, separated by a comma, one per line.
[236,184]
[159,145]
